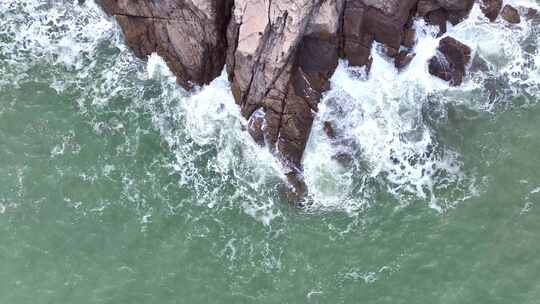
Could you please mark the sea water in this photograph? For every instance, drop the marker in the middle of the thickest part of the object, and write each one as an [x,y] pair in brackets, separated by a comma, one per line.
[118,186]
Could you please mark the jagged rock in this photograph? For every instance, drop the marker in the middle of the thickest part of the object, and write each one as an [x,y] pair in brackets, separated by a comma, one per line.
[365,21]
[439,18]
[409,37]
[255,128]
[510,14]
[329,130]
[391,52]
[491,8]
[162,27]
[403,59]
[450,62]
[281,65]
[438,12]
[280,54]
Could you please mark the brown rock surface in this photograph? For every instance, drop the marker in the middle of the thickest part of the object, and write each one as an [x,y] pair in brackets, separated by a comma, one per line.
[451,60]
[188,34]
[403,59]
[510,14]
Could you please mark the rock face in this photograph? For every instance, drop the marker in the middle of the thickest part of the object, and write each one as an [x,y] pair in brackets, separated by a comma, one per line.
[367,20]
[188,34]
[439,12]
[280,54]
[450,62]
[281,64]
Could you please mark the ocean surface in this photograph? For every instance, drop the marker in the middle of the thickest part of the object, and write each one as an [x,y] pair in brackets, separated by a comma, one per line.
[117,186]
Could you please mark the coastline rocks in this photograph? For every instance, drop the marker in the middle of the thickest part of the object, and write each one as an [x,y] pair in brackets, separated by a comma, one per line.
[280,54]
[162,27]
[329,130]
[510,14]
[403,59]
[280,66]
[450,62]
[365,21]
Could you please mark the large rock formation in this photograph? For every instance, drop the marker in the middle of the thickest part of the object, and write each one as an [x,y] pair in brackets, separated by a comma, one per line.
[280,54]
[188,34]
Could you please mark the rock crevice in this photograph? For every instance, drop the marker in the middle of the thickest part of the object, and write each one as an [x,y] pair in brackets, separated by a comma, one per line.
[280,54]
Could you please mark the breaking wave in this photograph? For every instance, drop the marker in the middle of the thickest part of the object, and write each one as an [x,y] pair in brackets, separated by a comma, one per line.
[392,126]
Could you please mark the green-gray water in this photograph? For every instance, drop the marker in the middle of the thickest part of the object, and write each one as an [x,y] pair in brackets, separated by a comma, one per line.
[116,186]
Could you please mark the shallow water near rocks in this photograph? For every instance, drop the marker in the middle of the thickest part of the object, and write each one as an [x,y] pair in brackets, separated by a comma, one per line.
[117,186]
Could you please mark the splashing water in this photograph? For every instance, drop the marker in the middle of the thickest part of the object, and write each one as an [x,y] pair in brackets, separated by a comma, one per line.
[390,124]
[118,186]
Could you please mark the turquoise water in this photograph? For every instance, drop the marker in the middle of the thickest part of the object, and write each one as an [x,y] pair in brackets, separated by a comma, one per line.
[116,186]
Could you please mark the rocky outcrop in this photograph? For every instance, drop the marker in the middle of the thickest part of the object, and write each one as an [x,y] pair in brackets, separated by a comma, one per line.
[365,21]
[450,62]
[280,54]
[279,66]
[188,34]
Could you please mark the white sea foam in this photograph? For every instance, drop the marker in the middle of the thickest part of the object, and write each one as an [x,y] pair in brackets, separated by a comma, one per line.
[385,121]
[382,120]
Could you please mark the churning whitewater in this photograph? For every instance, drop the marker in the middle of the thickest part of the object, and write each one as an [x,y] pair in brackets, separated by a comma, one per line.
[390,125]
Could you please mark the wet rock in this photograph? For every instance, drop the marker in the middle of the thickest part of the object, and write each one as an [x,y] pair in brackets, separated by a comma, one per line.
[255,128]
[409,37]
[282,64]
[391,52]
[365,21]
[329,130]
[530,13]
[438,12]
[296,190]
[479,64]
[491,8]
[510,14]
[403,59]
[450,62]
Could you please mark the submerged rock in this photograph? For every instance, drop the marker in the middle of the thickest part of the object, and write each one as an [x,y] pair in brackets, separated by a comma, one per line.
[329,130]
[510,14]
[255,128]
[491,8]
[403,59]
[365,21]
[450,62]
